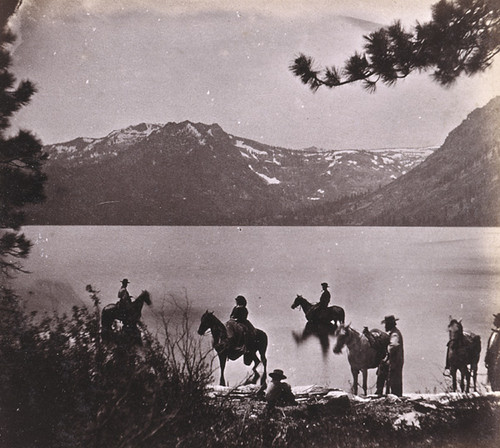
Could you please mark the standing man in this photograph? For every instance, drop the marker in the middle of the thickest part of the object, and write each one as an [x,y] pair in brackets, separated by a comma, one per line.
[390,371]
[125,299]
[492,358]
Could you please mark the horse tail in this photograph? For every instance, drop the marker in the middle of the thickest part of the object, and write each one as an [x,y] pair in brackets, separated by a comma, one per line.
[262,340]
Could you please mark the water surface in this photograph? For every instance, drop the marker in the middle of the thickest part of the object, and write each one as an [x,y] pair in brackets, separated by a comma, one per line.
[421,275]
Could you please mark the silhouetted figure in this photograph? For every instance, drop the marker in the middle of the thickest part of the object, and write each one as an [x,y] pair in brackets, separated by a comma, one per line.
[321,306]
[390,371]
[240,315]
[492,359]
[278,393]
[124,296]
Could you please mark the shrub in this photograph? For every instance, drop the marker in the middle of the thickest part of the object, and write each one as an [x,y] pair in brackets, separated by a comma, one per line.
[59,386]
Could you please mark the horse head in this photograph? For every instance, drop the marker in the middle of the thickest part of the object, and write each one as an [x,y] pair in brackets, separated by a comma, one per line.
[456,332]
[145,297]
[342,334]
[298,300]
[206,322]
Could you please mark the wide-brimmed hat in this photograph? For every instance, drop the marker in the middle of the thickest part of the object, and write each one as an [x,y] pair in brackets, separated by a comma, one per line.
[277,374]
[389,319]
[324,284]
[125,280]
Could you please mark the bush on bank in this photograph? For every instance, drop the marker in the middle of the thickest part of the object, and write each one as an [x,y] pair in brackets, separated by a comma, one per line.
[61,387]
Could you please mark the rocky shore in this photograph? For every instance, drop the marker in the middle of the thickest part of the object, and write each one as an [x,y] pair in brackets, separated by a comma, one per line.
[332,417]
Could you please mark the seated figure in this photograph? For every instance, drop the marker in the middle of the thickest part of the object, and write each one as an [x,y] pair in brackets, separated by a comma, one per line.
[278,393]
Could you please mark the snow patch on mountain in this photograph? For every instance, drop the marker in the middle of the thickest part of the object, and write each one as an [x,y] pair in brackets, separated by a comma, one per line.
[131,134]
[254,152]
[60,149]
[269,180]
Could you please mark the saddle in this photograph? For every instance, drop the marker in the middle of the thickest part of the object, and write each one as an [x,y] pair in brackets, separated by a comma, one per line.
[379,340]
[317,313]
[239,335]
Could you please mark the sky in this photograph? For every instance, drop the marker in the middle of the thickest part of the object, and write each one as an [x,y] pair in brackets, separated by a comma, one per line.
[103,65]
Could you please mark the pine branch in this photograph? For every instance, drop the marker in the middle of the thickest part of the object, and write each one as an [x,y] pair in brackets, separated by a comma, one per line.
[463,37]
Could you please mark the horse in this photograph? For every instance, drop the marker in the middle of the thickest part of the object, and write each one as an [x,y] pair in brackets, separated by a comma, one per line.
[360,352]
[130,318]
[332,313]
[230,347]
[464,349]
[321,330]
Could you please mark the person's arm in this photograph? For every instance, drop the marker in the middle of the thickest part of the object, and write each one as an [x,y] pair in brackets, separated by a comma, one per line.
[394,345]
[234,313]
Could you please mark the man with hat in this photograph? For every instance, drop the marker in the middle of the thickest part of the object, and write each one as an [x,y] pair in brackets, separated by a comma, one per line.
[492,358]
[316,310]
[125,298]
[390,370]
[278,393]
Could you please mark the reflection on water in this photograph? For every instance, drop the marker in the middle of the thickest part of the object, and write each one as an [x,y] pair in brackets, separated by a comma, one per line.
[421,275]
[320,331]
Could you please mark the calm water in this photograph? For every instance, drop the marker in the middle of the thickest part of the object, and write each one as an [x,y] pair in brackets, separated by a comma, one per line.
[422,275]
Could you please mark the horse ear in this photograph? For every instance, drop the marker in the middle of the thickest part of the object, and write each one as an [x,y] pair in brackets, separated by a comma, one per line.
[348,325]
[460,320]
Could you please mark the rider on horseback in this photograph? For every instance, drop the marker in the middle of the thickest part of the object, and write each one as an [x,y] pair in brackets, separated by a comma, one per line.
[240,315]
[320,307]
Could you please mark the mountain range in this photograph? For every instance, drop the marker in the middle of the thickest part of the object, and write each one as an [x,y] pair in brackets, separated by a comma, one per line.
[457,185]
[197,174]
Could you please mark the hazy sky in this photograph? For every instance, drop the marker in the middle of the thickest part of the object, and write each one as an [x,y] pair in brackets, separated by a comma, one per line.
[101,65]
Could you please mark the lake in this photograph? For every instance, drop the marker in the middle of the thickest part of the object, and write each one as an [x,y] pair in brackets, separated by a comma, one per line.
[421,275]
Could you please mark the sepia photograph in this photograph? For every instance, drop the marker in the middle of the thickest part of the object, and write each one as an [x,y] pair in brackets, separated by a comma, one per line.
[257,224]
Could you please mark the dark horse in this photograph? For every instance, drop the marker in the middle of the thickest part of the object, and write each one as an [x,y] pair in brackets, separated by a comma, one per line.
[332,313]
[464,349]
[360,353]
[130,318]
[230,348]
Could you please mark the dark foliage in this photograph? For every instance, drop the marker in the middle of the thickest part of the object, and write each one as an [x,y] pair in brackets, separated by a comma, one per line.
[461,39]
[21,156]
[60,387]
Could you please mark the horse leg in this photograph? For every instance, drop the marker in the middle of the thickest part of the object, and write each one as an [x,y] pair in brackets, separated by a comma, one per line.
[335,325]
[365,380]
[463,375]
[255,377]
[453,373]
[355,374]
[222,364]
[474,376]
[467,378]
[263,379]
